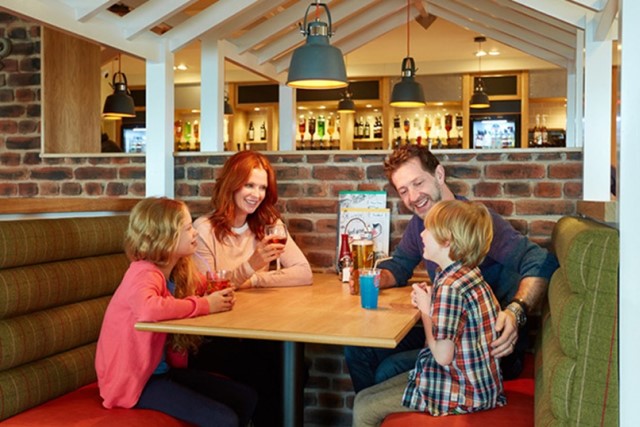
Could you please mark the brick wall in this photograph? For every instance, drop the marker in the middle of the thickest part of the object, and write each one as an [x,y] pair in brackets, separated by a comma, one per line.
[532,189]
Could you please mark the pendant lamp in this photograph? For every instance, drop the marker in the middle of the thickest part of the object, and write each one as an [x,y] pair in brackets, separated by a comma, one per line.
[407,93]
[317,64]
[120,103]
[228,111]
[479,99]
[346,104]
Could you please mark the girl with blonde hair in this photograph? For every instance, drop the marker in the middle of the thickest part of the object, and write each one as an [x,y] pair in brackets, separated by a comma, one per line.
[133,367]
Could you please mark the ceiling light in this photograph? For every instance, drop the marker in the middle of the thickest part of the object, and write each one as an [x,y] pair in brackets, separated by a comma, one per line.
[120,103]
[346,104]
[228,111]
[479,99]
[317,64]
[407,93]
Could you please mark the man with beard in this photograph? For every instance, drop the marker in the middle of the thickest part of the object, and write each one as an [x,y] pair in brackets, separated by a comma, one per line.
[517,270]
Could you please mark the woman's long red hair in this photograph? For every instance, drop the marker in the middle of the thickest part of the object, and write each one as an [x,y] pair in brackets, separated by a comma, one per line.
[234,175]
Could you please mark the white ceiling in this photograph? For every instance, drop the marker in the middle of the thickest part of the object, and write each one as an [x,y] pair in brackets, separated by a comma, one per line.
[261,34]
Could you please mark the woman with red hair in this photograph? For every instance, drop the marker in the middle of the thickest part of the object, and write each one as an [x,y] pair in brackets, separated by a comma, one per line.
[232,236]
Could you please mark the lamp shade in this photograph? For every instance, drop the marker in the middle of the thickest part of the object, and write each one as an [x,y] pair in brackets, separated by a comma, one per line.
[479,99]
[407,93]
[119,104]
[228,111]
[317,64]
[346,105]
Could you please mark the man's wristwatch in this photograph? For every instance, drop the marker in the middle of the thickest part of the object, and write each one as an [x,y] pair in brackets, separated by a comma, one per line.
[519,308]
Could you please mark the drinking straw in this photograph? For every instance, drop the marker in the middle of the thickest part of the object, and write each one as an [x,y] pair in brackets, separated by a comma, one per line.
[375,264]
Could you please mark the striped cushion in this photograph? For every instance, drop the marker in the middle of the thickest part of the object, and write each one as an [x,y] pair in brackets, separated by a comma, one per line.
[34,383]
[43,240]
[579,383]
[27,338]
[56,279]
[41,286]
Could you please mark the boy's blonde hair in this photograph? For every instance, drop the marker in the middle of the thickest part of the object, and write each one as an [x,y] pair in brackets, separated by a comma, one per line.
[467,226]
[154,230]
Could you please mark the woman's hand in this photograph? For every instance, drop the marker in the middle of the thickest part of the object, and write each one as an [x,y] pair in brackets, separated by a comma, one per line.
[421,297]
[266,251]
[221,300]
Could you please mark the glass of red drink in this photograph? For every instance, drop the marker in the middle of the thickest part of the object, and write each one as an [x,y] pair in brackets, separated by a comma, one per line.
[218,280]
[279,235]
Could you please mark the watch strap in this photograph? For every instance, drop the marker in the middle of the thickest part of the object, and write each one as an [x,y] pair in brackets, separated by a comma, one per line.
[522,304]
[518,312]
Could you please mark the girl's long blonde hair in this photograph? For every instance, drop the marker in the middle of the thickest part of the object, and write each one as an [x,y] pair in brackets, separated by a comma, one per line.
[154,230]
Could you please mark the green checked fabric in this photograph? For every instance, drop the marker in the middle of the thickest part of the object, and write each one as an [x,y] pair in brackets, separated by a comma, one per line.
[576,360]
[56,279]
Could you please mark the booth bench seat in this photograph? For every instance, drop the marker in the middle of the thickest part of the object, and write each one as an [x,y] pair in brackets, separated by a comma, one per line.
[576,353]
[56,279]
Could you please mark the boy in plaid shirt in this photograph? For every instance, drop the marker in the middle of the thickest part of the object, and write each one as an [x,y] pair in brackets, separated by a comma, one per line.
[455,372]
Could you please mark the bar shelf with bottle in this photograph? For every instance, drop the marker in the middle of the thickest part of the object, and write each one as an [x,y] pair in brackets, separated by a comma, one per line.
[318,131]
[186,130]
[368,130]
[437,125]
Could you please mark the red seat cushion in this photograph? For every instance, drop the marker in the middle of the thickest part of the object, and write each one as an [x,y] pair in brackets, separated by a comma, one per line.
[83,407]
[518,412]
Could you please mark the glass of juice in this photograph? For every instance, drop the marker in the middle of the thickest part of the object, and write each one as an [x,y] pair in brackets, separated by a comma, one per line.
[218,280]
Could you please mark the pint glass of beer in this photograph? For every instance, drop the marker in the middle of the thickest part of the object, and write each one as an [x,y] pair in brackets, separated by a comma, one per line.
[362,254]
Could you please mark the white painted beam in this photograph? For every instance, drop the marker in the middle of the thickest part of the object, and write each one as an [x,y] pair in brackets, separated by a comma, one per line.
[629,206]
[251,62]
[542,27]
[594,5]
[100,29]
[208,19]
[160,101]
[607,24]
[288,18]
[567,12]
[597,116]
[474,14]
[87,9]
[212,95]
[539,16]
[150,14]
[287,121]
[501,37]
[295,38]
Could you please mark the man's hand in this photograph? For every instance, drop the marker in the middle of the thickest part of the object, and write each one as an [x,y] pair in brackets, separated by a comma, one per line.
[507,328]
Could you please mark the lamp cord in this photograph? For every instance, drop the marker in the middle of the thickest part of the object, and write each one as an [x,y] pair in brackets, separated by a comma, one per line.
[408,35]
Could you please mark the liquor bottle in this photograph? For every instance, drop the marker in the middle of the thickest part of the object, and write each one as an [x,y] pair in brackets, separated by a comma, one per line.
[263,132]
[537,134]
[544,133]
[377,128]
[251,131]
[357,131]
[322,126]
[345,259]
[367,130]
[187,136]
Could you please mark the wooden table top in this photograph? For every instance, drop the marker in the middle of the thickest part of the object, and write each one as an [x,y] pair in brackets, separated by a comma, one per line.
[323,313]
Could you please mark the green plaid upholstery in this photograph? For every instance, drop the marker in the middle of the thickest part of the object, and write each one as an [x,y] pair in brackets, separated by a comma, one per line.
[56,279]
[576,362]
[45,240]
